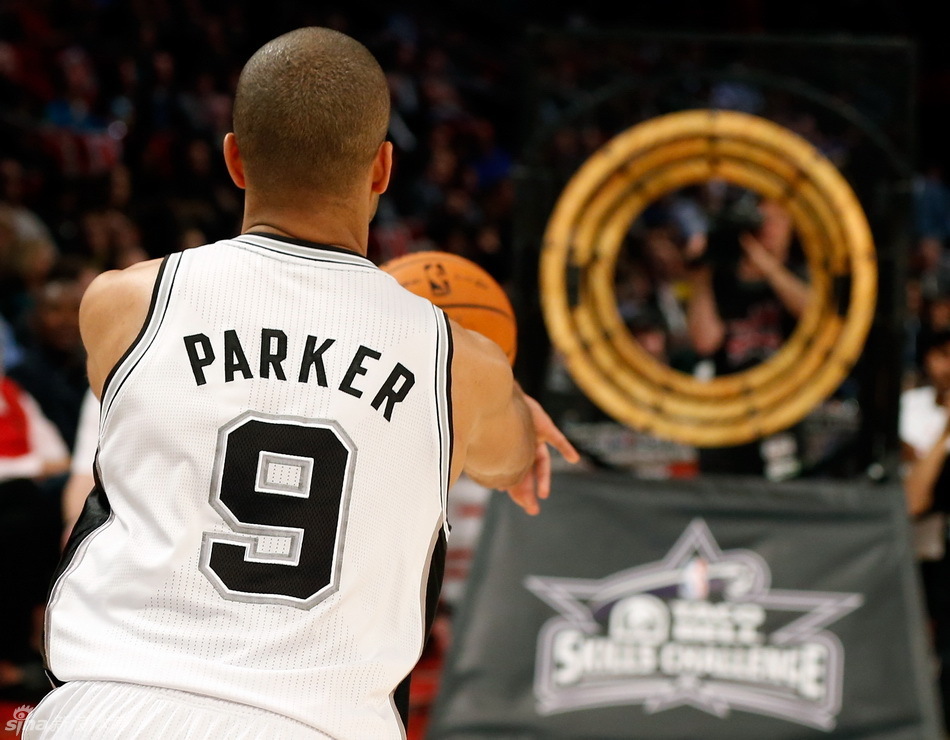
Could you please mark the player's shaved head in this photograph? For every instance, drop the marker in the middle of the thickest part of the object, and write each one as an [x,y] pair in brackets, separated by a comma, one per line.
[310,111]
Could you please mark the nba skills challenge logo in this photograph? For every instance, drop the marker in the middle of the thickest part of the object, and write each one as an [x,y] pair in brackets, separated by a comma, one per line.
[20,714]
[702,628]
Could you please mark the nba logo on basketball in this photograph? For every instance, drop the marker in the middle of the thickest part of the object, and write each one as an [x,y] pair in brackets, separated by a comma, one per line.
[466,292]
[438,279]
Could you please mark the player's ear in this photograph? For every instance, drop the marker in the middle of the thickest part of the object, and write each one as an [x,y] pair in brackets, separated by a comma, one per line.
[382,167]
[233,161]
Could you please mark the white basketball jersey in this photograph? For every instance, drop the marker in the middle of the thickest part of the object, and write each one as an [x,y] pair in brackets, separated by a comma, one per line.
[269,519]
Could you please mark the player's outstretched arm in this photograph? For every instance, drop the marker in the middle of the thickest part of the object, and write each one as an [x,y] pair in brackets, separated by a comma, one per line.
[501,434]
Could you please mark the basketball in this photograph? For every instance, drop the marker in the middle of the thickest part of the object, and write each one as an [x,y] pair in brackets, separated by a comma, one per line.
[465,291]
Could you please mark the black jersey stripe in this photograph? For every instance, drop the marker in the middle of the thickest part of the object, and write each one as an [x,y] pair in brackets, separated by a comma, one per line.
[153,320]
[96,512]
[443,390]
[434,582]
[400,700]
[307,250]
[310,258]
[450,351]
[135,342]
[432,591]
[450,431]
[306,243]
[432,588]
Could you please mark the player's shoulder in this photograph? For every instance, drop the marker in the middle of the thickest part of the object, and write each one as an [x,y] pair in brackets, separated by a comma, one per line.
[127,276]
[121,286]
[479,365]
[476,347]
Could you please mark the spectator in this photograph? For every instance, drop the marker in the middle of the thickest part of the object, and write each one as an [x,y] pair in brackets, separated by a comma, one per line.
[936,310]
[25,262]
[745,300]
[932,266]
[745,305]
[53,369]
[31,452]
[10,352]
[27,225]
[913,326]
[932,204]
[924,426]
[652,334]
[660,249]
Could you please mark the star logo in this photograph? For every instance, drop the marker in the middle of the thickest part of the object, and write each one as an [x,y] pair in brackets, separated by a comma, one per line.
[702,627]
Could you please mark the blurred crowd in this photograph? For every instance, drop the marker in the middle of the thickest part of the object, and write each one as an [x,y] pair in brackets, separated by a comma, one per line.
[111,121]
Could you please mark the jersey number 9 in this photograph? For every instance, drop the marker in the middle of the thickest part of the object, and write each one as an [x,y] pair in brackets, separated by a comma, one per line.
[282,486]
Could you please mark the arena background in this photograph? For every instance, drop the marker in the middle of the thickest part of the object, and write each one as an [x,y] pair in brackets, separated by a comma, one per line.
[111,116]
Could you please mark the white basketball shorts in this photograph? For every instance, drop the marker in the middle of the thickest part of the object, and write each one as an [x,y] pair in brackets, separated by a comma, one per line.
[105,710]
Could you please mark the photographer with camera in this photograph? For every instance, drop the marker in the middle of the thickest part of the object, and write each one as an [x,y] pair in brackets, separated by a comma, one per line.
[745,299]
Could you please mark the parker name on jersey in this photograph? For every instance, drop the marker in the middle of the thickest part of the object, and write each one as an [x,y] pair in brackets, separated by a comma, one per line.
[273,354]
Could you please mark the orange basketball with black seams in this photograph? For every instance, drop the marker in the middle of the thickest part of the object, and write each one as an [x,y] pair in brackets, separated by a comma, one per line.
[465,291]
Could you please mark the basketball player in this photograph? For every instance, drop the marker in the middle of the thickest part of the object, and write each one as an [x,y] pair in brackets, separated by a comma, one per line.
[280,423]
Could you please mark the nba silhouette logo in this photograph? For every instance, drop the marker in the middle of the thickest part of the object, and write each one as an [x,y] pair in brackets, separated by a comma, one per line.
[438,282]
[694,583]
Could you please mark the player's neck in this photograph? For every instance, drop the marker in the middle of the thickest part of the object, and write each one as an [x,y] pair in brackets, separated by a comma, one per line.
[332,223]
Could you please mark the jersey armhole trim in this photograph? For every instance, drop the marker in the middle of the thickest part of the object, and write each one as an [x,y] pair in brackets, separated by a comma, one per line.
[443,393]
[153,320]
[96,514]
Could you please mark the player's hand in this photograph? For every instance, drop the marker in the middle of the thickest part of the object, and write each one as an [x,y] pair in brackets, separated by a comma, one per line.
[536,484]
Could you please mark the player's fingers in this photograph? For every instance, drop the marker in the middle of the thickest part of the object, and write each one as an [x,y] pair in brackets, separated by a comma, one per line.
[547,431]
[523,493]
[562,444]
[529,499]
[532,507]
[542,471]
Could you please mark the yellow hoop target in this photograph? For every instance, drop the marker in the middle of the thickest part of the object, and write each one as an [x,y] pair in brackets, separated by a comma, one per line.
[584,237]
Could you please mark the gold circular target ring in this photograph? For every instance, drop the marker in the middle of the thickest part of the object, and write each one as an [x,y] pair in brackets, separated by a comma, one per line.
[585,234]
